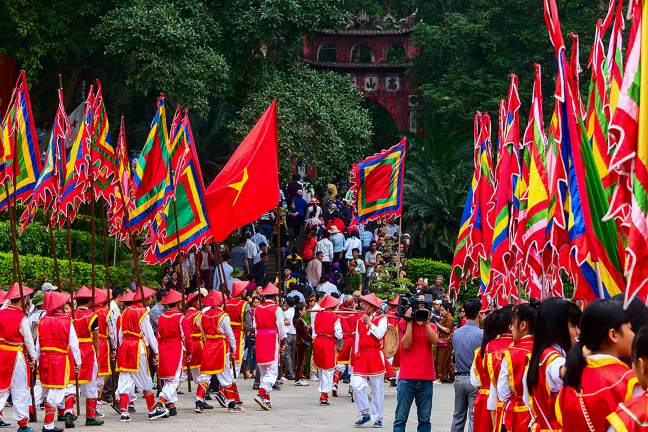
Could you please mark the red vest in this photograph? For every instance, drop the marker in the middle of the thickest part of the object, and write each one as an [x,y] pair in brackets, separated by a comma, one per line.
[54,339]
[11,343]
[541,400]
[605,383]
[235,308]
[193,316]
[517,416]
[215,350]
[266,333]
[324,342]
[368,358]
[482,419]
[132,342]
[631,416]
[103,356]
[495,354]
[169,335]
[349,323]
[83,319]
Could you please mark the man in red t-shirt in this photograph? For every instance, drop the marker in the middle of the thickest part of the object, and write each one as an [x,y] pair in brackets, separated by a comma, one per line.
[416,376]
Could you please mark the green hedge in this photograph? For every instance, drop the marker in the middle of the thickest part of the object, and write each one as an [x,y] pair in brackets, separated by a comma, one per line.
[428,268]
[35,241]
[39,269]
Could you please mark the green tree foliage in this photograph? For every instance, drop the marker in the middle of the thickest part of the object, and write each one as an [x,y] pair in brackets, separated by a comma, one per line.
[321,119]
[166,46]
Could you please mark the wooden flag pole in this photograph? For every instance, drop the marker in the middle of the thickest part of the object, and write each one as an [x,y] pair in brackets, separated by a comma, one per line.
[278,250]
[50,228]
[104,235]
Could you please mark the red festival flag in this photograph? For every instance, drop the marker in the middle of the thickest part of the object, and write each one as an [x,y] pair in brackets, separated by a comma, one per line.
[248,185]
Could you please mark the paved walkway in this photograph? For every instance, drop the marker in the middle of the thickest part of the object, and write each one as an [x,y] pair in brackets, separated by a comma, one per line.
[295,409]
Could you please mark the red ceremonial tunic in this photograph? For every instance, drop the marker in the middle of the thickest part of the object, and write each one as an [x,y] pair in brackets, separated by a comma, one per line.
[11,343]
[193,316]
[495,354]
[368,358]
[516,413]
[482,419]
[348,323]
[170,341]
[541,400]
[266,332]
[130,323]
[54,340]
[103,356]
[235,308]
[605,383]
[324,342]
[631,416]
[215,349]
[83,321]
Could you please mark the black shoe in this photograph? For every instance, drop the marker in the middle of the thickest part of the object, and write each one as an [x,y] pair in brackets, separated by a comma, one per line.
[62,417]
[199,406]
[124,418]
[54,429]
[131,409]
[208,397]
[255,386]
[94,422]
[205,405]
[335,390]
[25,429]
[173,411]
[68,418]
[4,424]
[159,412]
[220,398]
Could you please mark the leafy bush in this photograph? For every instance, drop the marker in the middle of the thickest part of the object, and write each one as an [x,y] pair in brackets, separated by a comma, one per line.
[429,268]
[38,269]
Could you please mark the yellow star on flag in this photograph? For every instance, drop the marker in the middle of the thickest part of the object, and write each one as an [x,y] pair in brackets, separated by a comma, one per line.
[238,186]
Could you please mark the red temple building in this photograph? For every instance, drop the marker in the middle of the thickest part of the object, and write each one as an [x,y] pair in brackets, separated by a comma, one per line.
[375,53]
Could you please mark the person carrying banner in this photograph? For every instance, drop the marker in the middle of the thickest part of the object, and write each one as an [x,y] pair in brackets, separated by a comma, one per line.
[270,341]
[17,355]
[240,316]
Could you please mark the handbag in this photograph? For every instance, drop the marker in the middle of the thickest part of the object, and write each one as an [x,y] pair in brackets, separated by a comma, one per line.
[442,343]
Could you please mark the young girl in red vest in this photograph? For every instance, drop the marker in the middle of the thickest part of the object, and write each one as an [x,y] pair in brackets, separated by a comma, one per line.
[510,389]
[494,355]
[479,378]
[633,416]
[556,331]
[597,382]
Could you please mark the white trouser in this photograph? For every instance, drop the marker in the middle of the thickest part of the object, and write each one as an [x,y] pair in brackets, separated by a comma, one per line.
[40,393]
[237,365]
[326,380]
[269,373]
[128,381]
[56,396]
[360,385]
[341,367]
[225,378]
[90,390]
[170,387]
[19,391]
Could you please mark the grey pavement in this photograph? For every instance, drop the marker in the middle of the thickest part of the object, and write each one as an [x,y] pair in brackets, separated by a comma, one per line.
[294,409]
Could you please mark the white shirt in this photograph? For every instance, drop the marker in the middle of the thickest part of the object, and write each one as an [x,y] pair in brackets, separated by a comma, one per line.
[25,331]
[289,314]
[350,244]
[328,288]
[326,247]
[251,249]
[259,238]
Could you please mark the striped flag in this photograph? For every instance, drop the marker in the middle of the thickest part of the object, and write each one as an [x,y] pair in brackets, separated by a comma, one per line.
[124,204]
[102,152]
[614,58]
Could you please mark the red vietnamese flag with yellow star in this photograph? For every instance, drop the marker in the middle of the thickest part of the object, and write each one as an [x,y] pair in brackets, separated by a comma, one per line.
[248,185]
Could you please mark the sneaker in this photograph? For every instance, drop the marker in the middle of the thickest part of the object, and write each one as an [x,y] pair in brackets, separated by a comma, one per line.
[99,415]
[124,418]
[220,398]
[378,424]
[281,381]
[101,402]
[131,409]
[365,419]
[68,418]
[93,422]
[236,409]
[267,404]
[173,411]
[392,382]
[205,405]
[302,383]
[54,429]
[62,417]
[334,391]
[4,424]
[26,429]
[324,402]
[314,378]
[255,386]
[262,402]
[275,386]
[199,406]
[208,397]
[159,412]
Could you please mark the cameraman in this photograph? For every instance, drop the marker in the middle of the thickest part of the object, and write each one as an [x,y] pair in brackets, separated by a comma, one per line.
[416,375]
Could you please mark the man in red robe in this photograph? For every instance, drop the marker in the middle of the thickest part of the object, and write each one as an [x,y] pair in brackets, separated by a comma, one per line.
[135,334]
[87,330]
[240,316]
[349,322]
[174,343]
[59,347]
[327,331]
[270,341]
[17,355]
[368,361]
[219,349]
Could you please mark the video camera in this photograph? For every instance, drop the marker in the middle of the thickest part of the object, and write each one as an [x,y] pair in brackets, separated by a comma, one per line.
[421,307]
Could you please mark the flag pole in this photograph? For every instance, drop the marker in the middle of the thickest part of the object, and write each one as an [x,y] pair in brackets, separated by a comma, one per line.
[599,281]
[104,232]
[50,229]
[278,248]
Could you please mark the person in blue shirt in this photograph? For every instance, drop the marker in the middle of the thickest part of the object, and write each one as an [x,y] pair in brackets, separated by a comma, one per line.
[298,212]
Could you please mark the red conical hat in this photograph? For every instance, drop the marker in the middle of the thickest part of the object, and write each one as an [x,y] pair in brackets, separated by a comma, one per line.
[127,297]
[270,289]
[101,296]
[148,293]
[172,297]
[372,299]
[213,299]
[84,293]
[238,288]
[395,301]
[55,300]
[328,302]
[14,292]
[3,295]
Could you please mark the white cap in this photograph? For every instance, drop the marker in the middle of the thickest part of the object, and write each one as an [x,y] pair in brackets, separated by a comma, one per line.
[48,287]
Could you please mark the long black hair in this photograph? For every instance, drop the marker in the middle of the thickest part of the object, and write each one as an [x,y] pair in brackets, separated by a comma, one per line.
[527,312]
[504,320]
[598,319]
[298,308]
[640,344]
[554,315]
[490,331]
